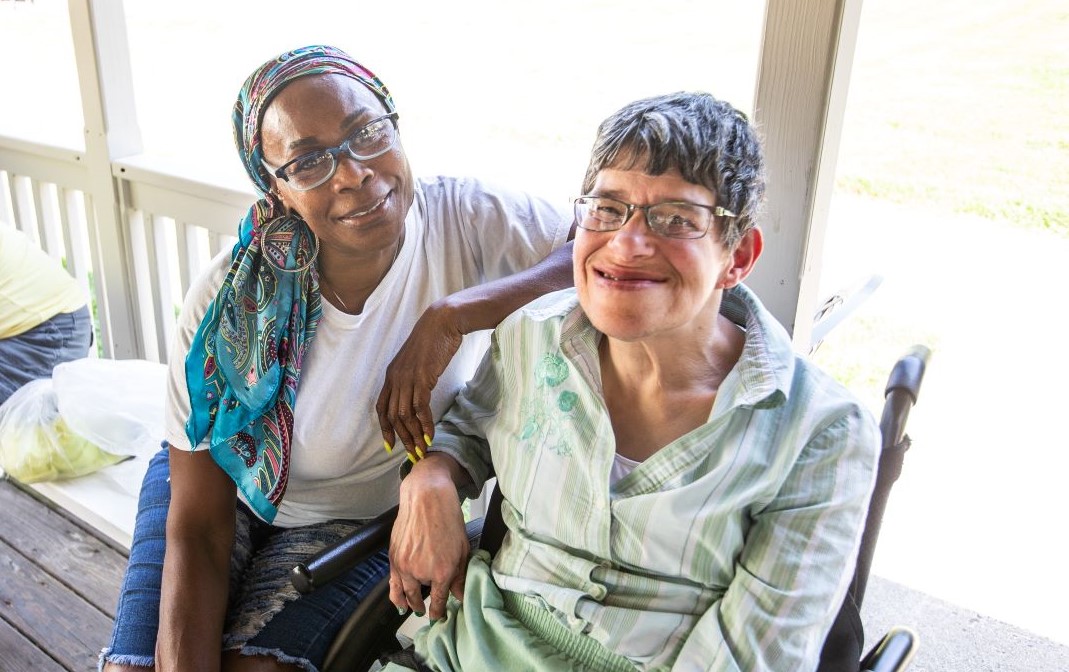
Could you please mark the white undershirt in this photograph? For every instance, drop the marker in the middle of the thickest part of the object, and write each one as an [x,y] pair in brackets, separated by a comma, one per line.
[621,466]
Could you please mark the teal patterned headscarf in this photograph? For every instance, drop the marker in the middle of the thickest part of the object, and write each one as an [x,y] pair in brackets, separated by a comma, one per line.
[245,360]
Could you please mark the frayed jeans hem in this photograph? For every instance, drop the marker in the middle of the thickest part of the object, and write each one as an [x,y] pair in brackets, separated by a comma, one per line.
[279,655]
[147,662]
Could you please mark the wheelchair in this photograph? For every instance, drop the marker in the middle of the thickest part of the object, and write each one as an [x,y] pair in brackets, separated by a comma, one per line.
[370,632]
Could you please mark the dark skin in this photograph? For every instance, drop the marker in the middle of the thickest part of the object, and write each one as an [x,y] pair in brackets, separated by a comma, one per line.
[358,216]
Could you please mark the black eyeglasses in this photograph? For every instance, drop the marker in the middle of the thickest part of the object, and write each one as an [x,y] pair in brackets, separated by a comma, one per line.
[310,170]
[673,219]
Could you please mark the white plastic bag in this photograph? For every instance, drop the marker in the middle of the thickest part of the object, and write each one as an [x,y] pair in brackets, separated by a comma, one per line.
[36,444]
[117,404]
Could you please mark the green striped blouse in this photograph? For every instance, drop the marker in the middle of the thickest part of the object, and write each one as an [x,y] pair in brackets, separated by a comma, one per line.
[729,549]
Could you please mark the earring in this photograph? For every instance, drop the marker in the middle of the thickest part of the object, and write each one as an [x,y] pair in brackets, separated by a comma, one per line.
[285,236]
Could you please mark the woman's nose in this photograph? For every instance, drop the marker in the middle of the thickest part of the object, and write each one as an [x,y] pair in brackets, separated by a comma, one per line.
[350,172]
[635,236]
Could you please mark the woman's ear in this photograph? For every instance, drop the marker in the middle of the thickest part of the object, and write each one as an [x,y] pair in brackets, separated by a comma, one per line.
[276,194]
[743,258]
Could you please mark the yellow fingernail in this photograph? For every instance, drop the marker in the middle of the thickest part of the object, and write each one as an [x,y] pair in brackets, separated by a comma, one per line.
[410,458]
[426,439]
[387,446]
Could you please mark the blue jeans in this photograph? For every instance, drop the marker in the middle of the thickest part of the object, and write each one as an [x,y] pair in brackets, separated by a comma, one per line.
[301,629]
[33,354]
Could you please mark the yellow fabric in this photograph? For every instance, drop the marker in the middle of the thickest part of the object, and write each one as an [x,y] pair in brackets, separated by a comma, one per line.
[33,286]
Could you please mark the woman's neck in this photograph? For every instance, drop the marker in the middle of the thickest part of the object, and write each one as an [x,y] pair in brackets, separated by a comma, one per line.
[675,363]
[657,390]
[347,281]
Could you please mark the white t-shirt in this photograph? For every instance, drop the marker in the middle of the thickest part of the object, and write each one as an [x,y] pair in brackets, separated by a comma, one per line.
[458,233]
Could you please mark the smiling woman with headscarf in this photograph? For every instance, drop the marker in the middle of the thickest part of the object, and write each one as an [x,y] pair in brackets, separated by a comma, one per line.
[335,325]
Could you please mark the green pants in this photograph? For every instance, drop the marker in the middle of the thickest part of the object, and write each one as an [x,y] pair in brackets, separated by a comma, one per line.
[491,631]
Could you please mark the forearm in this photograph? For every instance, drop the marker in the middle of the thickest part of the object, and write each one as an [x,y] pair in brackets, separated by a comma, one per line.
[485,305]
[460,436]
[192,606]
[196,566]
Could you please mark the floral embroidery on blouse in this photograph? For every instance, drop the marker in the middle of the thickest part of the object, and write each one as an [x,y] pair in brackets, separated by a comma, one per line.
[542,420]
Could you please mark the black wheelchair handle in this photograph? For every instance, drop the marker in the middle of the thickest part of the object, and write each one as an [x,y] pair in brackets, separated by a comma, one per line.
[908,372]
[349,552]
[903,388]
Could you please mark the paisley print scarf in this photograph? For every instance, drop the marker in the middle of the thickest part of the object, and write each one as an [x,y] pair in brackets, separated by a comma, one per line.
[245,359]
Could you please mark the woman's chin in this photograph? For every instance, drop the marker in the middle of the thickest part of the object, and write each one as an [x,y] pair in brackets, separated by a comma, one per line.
[625,325]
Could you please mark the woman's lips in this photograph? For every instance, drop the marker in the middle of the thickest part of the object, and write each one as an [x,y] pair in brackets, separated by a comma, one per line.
[356,214]
[626,276]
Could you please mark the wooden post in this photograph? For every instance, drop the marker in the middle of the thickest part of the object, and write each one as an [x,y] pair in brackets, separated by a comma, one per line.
[803,77]
[102,55]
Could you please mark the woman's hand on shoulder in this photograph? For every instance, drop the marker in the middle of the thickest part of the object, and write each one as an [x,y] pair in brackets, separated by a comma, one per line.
[404,404]
[429,545]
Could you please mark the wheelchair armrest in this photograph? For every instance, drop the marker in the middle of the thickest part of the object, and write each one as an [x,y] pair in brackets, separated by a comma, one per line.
[893,653]
[332,561]
[370,630]
[338,558]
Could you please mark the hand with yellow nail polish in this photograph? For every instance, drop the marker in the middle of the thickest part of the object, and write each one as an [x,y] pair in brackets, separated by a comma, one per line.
[403,406]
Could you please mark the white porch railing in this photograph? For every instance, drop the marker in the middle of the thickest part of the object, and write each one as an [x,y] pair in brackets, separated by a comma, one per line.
[170,227]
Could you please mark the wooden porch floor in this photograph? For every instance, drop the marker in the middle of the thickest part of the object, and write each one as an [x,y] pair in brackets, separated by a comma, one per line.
[59,582]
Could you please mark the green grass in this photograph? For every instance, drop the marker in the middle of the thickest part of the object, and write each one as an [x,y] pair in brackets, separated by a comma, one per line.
[95,313]
[887,189]
[1021,213]
[1052,217]
[962,106]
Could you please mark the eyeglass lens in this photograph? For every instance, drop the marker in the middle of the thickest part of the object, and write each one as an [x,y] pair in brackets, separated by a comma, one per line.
[368,142]
[673,220]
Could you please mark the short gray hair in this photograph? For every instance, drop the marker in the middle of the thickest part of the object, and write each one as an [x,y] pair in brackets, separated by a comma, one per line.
[710,142]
